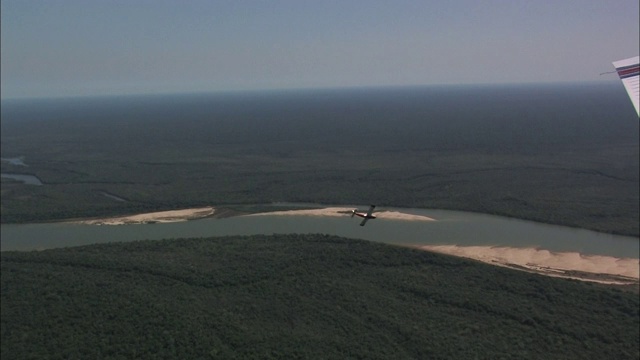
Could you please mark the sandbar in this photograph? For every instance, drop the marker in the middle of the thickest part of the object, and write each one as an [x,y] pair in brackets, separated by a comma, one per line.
[343,211]
[154,217]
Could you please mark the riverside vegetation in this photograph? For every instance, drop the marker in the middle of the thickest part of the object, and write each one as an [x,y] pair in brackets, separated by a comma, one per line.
[299,296]
[559,154]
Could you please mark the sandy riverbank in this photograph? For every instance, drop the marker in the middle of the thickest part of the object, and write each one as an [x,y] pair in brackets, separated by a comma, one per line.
[595,268]
[154,217]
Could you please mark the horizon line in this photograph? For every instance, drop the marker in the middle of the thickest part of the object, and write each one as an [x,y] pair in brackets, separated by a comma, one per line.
[295,89]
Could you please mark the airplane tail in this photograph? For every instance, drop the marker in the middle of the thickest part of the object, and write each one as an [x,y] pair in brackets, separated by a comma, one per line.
[353,212]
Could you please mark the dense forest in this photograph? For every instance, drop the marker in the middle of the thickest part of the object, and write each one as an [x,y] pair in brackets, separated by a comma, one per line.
[561,154]
[299,296]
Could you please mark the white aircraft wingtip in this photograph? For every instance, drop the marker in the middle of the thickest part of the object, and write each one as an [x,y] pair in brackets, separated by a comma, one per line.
[629,72]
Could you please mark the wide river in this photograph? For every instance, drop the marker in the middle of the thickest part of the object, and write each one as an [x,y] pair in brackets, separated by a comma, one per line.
[450,228]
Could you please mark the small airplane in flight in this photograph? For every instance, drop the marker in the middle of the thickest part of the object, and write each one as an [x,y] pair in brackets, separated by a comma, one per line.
[365,216]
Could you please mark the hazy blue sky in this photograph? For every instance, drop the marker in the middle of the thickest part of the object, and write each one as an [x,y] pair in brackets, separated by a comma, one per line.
[92,47]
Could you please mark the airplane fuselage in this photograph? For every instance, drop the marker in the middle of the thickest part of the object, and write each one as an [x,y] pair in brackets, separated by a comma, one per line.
[363,215]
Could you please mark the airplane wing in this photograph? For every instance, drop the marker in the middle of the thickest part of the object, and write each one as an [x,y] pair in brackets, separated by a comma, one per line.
[628,71]
[370,211]
[364,221]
